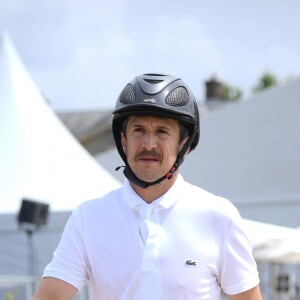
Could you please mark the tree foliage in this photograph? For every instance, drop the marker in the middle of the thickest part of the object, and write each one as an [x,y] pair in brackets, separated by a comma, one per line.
[231,93]
[265,81]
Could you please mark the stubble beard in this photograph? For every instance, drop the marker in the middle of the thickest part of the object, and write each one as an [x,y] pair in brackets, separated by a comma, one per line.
[148,172]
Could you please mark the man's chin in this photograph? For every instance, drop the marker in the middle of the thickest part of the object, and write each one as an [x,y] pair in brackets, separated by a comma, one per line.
[149,177]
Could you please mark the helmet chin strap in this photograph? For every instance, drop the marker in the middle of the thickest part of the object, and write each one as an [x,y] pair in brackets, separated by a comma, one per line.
[144,184]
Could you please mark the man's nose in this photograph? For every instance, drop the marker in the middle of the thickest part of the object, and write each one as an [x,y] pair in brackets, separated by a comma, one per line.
[149,141]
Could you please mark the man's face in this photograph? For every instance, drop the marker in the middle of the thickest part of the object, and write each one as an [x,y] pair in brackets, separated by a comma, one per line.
[151,145]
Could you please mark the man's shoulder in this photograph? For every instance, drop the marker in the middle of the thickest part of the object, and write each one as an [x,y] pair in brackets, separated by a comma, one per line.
[200,204]
[102,201]
[198,191]
[199,196]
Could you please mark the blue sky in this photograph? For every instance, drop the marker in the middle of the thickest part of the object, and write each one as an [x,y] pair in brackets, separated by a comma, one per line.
[82,52]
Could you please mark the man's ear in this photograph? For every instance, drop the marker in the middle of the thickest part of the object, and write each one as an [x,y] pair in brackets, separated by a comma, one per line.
[123,142]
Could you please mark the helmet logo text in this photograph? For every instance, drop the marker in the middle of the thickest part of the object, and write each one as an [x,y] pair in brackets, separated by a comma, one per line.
[149,100]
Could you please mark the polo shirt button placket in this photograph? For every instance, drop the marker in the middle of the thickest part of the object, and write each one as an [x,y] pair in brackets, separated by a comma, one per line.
[149,235]
[150,243]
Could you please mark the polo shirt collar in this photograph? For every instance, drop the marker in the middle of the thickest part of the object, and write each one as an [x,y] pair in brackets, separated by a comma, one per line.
[133,200]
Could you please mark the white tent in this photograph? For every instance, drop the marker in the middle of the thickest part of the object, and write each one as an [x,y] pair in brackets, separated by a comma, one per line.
[265,234]
[286,250]
[39,158]
[273,243]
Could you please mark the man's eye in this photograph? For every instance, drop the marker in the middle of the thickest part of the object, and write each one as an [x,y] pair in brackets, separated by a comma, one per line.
[162,131]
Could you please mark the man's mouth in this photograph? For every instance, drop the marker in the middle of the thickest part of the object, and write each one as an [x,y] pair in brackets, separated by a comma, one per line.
[148,157]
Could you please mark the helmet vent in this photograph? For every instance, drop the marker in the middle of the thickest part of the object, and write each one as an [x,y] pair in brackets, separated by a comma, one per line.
[178,97]
[153,81]
[127,95]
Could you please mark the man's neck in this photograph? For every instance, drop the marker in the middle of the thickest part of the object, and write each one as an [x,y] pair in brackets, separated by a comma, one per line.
[155,191]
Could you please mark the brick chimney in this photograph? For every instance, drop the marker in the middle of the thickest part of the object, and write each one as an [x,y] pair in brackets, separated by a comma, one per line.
[214,89]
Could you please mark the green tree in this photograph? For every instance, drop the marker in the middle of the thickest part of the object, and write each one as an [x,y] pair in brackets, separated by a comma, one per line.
[231,93]
[265,81]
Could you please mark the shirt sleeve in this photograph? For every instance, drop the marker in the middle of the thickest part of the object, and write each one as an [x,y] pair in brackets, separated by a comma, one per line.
[238,269]
[70,261]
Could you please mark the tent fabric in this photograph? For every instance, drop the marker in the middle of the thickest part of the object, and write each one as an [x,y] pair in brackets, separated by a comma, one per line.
[39,157]
[273,243]
[264,234]
[284,250]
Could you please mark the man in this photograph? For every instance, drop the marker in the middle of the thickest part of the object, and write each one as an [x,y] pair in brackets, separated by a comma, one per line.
[157,237]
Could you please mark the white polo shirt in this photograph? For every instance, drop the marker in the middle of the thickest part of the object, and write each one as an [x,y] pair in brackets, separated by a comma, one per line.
[195,248]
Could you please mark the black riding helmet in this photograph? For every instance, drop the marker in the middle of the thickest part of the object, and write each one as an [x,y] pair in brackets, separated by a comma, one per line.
[157,95]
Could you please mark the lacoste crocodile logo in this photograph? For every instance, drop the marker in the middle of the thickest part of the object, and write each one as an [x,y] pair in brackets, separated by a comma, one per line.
[191,262]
